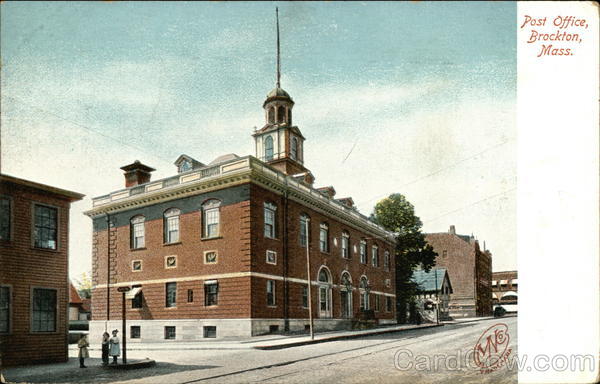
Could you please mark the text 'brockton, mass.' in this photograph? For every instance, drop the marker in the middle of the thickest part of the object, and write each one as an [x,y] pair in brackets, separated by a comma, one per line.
[557,37]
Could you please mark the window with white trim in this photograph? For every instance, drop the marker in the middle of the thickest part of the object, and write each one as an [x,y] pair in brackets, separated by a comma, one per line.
[271,257]
[375,256]
[210,257]
[345,245]
[137,232]
[211,293]
[171,226]
[268,143]
[270,220]
[364,293]
[171,295]
[304,223]
[211,218]
[363,251]
[324,237]
[386,260]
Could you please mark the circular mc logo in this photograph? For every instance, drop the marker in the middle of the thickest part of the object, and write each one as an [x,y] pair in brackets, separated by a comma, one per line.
[492,347]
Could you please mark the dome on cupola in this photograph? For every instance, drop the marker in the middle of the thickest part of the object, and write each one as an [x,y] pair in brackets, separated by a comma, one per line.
[280,94]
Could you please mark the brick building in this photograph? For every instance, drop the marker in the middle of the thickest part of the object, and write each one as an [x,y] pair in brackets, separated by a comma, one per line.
[505,290]
[219,249]
[34,283]
[469,269]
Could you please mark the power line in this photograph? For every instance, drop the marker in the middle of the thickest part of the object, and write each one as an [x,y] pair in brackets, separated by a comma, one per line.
[441,169]
[470,205]
[79,125]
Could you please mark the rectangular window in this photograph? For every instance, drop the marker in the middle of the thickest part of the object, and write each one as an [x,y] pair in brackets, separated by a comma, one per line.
[170,332]
[43,310]
[271,293]
[210,331]
[345,246]
[45,230]
[172,230]
[5,216]
[377,302]
[171,295]
[375,256]
[135,332]
[211,222]
[270,220]
[304,297]
[271,257]
[190,294]
[363,252]
[136,265]
[210,257]
[138,300]
[386,261]
[211,293]
[4,309]
[137,232]
[303,232]
[388,304]
[324,238]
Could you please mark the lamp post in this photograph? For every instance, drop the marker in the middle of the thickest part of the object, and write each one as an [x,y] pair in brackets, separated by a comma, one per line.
[124,290]
[310,316]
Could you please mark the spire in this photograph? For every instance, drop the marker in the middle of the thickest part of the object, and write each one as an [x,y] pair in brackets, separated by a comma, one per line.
[278,52]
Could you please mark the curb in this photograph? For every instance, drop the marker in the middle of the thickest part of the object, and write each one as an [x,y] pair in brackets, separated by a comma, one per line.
[337,338]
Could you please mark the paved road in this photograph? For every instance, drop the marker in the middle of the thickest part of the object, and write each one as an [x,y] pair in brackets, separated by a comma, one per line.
[369,359]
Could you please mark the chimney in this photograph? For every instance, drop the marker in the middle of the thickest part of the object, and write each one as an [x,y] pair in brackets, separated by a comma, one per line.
[452,230]
[137,173]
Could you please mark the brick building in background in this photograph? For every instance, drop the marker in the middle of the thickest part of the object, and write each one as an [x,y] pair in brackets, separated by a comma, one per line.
[219,249]
[34,265]
[505,290]
[470,270]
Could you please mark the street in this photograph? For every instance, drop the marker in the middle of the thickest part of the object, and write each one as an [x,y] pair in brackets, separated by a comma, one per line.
[406,356]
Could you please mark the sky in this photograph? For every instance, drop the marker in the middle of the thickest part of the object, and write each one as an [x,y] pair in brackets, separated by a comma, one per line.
[417,98]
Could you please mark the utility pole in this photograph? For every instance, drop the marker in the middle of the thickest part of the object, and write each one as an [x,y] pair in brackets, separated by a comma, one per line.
[310,316]
[124,290]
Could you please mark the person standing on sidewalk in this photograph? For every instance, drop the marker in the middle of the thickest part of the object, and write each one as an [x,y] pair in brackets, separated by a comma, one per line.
[115,346]
[83,351]
[105,347]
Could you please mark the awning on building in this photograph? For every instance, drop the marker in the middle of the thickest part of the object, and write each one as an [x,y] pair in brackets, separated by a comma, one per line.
[130,295]
[503,282]
[509,293]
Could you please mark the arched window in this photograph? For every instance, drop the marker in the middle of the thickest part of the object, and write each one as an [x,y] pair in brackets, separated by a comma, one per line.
[137,232]
[324,237]
[346,295]
[364,293]
[324,293]
[304,229]
[211,218]
[294,148]
[171,226]
[345,245]
[271,115]
[268,148]
[280,114]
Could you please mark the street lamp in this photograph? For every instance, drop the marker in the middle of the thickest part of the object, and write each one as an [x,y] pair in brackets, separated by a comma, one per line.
[124,290]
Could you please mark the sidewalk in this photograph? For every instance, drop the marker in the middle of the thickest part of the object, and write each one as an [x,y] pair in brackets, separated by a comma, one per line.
[259,342]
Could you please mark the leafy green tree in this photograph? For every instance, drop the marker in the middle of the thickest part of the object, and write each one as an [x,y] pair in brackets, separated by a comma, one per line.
[396,214]
[84,285]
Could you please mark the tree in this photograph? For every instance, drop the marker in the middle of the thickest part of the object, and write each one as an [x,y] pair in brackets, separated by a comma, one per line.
[84,285]
[396,214]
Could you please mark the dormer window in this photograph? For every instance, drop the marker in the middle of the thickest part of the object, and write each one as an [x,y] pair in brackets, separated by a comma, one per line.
[185,166]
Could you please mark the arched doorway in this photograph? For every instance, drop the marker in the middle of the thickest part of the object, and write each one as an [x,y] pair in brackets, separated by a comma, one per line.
[346,295]
[324,293]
